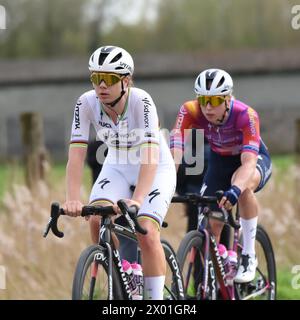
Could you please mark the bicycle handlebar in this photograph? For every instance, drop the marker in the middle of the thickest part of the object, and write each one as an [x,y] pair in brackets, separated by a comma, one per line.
[129,212]
[195,198]
[132,214]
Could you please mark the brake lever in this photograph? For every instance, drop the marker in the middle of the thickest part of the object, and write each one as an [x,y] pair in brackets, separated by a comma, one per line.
[56,211]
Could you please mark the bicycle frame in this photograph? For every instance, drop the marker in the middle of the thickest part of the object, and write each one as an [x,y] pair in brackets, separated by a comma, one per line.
[211,253]
[105,240]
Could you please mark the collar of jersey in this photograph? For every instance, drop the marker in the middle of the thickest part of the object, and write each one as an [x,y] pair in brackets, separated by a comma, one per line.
[124,111]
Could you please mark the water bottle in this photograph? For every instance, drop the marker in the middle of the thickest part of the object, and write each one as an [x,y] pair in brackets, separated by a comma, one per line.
[224,255]
[139,280]
[232,258]
[126,266]
[229,261]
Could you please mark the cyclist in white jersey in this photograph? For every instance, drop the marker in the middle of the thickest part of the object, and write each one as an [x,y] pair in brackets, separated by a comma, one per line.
[125,118]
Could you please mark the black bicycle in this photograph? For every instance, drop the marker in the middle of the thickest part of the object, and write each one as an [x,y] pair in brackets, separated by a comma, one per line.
[203,268]
[99,274]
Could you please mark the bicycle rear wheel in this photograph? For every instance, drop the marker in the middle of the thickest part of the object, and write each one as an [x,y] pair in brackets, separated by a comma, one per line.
[190,256]
[263,287]
[173,289]
[91,276]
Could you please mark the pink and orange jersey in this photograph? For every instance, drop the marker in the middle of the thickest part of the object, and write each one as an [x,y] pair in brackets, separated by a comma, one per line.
[240,133]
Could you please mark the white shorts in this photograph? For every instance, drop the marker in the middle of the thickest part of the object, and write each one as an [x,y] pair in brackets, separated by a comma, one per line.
[114,182]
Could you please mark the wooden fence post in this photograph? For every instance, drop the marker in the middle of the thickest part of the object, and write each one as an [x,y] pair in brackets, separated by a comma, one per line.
[34,148]
[297,142]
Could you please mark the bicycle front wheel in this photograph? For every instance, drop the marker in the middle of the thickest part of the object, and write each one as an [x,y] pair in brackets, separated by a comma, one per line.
[199,281]
[91,276]
[173,289]
[263,287]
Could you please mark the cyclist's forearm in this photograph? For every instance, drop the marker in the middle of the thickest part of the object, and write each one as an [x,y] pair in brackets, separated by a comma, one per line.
[245,172]
[74,172]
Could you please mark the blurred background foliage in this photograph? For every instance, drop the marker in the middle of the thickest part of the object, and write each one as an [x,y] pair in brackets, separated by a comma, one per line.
[55,28]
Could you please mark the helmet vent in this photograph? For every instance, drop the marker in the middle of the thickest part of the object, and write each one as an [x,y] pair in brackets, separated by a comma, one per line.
[102,57]
[221,82]
[208,84]
[117,57]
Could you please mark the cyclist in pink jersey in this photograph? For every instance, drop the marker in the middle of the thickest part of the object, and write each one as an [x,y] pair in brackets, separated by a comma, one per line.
[239,162]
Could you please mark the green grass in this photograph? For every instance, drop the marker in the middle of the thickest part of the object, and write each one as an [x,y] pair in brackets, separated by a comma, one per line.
[285,291]
[10,174]
[3,179]
[283,162]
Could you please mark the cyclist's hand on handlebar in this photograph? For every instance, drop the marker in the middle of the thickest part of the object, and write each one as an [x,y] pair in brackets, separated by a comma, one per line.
[72,208]
[230,197]
[129,203]
[225,203]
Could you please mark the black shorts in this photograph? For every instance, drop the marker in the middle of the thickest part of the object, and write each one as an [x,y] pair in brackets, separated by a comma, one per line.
[221,168]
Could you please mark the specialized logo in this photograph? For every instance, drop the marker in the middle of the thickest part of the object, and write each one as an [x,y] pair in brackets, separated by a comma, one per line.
[153,194]
[76,115]
[203,188]
[123,275]
[146,112]
[103,182]
[125,66]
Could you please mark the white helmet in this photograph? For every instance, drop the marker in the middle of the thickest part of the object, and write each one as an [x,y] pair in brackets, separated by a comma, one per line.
[111,59]
[213,82]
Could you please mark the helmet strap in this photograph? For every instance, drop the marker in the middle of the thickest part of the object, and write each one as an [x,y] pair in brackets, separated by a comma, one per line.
[112,104]
[224,114]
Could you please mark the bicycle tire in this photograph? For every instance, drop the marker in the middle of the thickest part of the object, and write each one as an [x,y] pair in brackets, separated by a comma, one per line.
[193,272]
[244,290]
[173,289]
[81,274]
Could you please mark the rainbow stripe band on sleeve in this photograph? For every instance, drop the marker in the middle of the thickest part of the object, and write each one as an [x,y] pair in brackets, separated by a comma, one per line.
[101,201]
[149,144]
[152,218]
[80,144]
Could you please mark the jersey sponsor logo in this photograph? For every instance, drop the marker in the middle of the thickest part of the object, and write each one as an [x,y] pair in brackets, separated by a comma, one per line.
[179,121]
[149,134]
[103,182]
[76,115]
[153,194]
[183,110]
[251,114]
[146,111]
[104,124]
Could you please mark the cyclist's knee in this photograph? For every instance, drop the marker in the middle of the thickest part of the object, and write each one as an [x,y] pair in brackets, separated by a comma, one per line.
[149,241]
[246,195]
[94,221]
